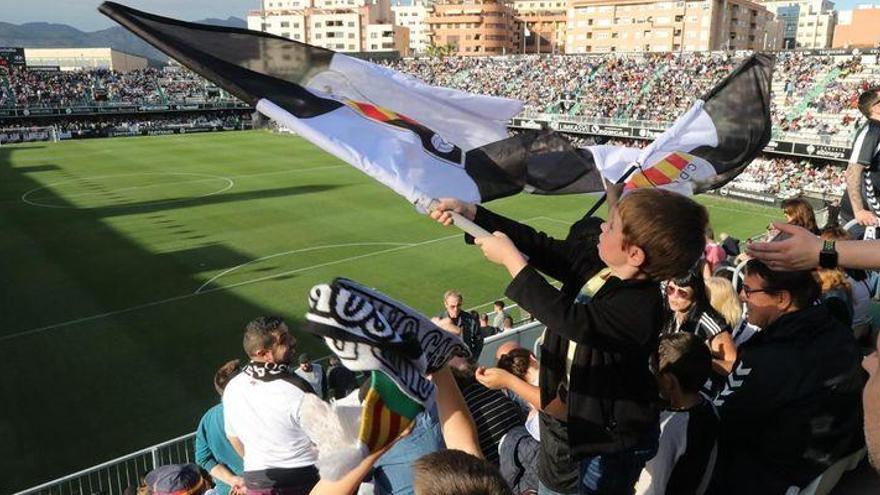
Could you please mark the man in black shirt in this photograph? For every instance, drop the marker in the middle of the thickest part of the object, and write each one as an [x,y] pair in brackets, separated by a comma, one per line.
[468,327]
[341,381]
[860,205]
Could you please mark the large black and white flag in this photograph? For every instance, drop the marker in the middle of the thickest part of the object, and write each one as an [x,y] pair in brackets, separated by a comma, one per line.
[427,142]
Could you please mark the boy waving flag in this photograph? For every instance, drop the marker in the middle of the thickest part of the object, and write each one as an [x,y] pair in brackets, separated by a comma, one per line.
[426,142]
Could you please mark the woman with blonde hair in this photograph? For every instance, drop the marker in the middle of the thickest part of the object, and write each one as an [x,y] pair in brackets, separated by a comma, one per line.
[724,299]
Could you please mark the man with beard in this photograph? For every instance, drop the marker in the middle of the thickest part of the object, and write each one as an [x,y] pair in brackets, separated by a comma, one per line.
[312,373]
[262,420]
[860,205]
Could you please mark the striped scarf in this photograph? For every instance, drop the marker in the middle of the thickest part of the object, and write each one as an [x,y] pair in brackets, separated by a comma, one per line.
[396,345]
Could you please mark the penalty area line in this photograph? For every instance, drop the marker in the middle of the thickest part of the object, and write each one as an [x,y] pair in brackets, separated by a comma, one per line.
[181,297]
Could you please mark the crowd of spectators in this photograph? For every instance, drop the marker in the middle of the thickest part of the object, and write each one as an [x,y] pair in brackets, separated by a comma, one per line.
[118,125]
[811,92]
[788,177]
[654,87]
[652,320]
[809,89]
[22,87]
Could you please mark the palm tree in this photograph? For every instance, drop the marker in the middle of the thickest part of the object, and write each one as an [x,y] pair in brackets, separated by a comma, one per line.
[441,51]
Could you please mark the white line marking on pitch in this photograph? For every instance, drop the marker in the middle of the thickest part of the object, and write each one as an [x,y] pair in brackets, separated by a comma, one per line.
[224,287]
[129,188]
[212,177]
[229,185]
[207,291]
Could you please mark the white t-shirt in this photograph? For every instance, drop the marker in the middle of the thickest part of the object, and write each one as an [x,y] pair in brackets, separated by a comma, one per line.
[314,377]
[264,415]
[686,454]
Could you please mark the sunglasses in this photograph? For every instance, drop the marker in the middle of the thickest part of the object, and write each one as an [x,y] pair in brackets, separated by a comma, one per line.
[682,292]
[748,291]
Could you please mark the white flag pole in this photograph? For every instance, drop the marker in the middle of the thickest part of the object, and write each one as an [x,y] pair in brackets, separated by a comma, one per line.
[468,226]
[457,219]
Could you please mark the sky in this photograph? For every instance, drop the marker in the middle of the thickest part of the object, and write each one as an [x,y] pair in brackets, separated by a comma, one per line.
[83,14]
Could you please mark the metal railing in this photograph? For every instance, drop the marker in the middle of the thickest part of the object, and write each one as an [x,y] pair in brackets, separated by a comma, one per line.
[113,477]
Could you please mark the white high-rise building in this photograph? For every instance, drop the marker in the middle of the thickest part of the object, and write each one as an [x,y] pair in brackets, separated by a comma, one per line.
[338,25]
[806,23]
[413,15]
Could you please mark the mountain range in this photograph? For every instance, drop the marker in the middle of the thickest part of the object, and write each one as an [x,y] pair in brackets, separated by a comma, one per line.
[46,35]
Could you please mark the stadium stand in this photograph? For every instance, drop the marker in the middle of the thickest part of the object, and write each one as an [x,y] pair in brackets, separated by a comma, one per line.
[813,104]
[105,103]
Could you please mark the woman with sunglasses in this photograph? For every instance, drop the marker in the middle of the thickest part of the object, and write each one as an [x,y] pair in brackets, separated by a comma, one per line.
[690,311]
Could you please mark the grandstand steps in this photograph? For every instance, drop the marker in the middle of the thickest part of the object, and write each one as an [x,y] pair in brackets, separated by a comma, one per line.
[645,89]
[813,93]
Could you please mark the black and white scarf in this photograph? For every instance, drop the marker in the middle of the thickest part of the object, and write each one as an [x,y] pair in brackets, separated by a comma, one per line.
[268,372]
[370,331]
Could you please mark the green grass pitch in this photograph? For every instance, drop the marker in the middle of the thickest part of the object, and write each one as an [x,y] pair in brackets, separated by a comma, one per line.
[131,265]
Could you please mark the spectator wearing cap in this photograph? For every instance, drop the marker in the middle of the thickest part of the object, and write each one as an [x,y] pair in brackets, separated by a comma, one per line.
[214,453]
[261,408]
[312,373]
[176,479]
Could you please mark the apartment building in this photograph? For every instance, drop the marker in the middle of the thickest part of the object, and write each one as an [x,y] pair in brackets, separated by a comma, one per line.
[601,26]
[858,28]
[540,25]
[474,27]
[807,23]
[414,16]
[338,25]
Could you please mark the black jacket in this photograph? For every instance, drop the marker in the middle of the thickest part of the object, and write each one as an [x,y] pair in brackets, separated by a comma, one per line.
[791,407]
[612,393]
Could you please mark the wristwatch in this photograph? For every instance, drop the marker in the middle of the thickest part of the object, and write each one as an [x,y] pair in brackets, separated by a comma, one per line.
[828,255]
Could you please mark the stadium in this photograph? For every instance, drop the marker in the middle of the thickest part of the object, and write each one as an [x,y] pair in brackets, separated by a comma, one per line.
[149,215]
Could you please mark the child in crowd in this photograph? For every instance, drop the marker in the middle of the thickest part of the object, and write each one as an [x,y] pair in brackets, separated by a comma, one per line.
[599,420]
[688,426]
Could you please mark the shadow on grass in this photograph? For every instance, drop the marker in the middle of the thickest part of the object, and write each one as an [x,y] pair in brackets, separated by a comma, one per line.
[127,376]
[229,197]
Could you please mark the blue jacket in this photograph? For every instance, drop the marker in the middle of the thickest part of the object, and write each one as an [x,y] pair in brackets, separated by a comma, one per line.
[213,448]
